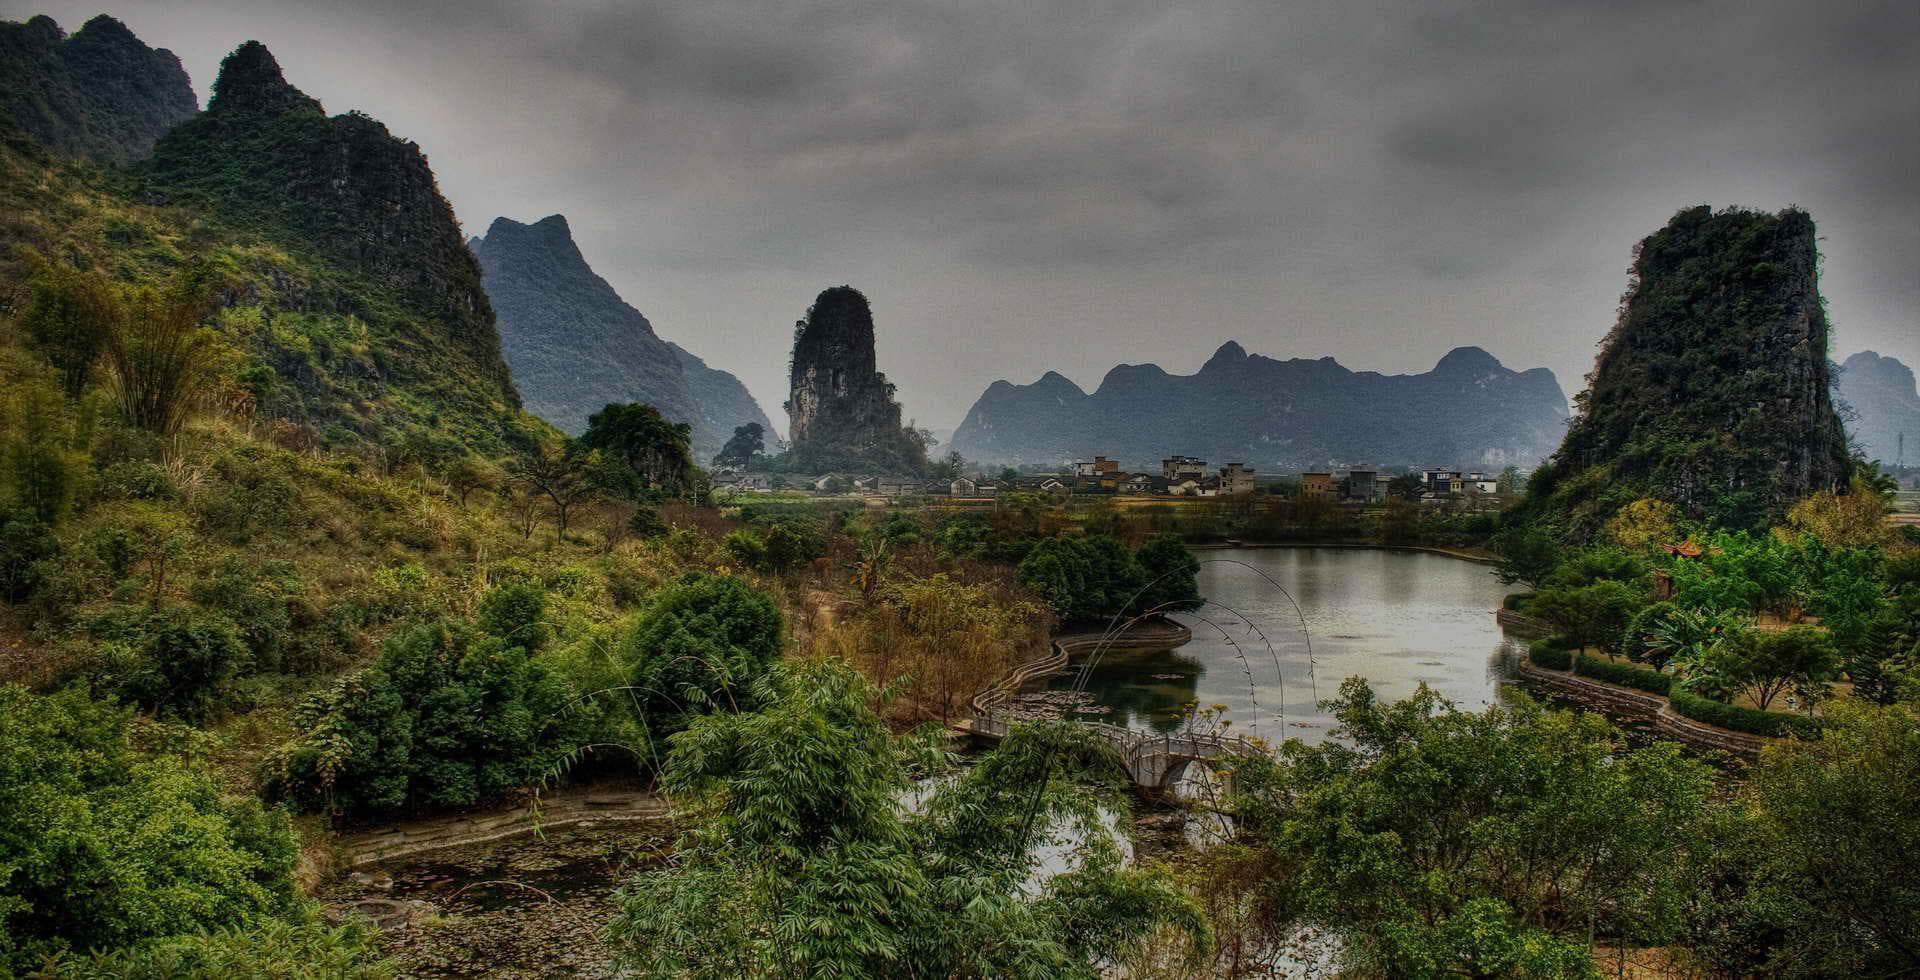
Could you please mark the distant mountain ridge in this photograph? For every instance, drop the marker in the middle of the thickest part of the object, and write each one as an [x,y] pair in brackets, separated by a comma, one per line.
[1886,406]
[575,346]
[1470,410]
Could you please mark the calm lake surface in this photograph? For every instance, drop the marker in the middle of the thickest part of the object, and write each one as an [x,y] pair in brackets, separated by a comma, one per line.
[1396,618]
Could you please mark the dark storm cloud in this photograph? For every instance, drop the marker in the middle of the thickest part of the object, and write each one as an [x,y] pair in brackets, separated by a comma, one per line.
[1022,185]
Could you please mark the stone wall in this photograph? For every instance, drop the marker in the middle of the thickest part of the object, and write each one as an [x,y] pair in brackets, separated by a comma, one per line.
[1625,702]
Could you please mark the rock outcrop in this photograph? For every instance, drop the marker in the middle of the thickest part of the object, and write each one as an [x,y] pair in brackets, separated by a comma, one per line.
[101,94]
[576,346]
[1713,391]
[346,193]
[1292,414]
[1886,408]
[841,410]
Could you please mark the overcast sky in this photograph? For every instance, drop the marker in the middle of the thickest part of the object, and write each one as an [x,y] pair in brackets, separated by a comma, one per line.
[1020,185]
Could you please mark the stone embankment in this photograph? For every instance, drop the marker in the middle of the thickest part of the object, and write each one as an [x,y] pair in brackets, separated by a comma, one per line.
[549,812]
[1651,708]
[1521,624]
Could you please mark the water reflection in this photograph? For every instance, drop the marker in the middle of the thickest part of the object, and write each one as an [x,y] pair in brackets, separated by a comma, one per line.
[1394,618]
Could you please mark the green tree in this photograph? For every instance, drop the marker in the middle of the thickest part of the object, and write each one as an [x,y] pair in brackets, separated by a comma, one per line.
[1528,555]
[164,357]
[103,848]
[1593,615]
[1437,842]
[70,317]
[1831,886]
[559,470]
[747,442]
[643,448]
[804,862]
[1171,571]
[41,467]
[1766,664]
[699,645]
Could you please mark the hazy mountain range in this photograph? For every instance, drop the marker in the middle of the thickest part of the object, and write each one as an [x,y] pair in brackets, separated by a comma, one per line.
[1470,410]
[575,346]
[1885,407]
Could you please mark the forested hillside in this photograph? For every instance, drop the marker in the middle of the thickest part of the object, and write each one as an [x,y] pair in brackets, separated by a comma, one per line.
[100,93]
[1713,391]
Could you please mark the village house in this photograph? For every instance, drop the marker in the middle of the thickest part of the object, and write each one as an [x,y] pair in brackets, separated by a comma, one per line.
[1236,480]
[1143,485]
[1098,467]
[750,482]
[1176,469]
[1316,486]
[1363,486]
[963,487]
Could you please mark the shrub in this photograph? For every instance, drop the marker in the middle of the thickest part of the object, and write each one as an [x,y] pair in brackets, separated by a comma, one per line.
[516,613]
[1776,724]
[285,949]
[261,597]
[184,663]
[1588,615]
[702,642]
[104,848]
[1544,653]
[26,544]
[1625,675]
[135,480]
[647,523]
[446,717]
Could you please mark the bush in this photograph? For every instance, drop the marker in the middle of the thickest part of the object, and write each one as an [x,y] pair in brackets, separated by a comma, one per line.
[1593,615]
[284,949]
[104,848]
[26,543]
[448,716]
[1626,675]
[262,597]
[647,523]
[184,662]
[516,613]
[1774,724]
[1544,653]
[702,642]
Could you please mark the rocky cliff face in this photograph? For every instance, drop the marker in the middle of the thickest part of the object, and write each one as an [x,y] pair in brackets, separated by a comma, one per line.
[1886,408]
[100,94]
[266,157]
[1713,391]
[576,346]
[841,408]
[1293,414]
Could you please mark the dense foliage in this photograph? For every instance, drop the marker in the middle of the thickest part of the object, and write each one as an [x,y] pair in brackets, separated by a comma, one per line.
[802,861]
[104,847]
[1085,578]
[451,714]
[1437,842]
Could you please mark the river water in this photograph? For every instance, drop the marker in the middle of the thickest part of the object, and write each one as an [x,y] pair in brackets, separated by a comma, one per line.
[1396,618]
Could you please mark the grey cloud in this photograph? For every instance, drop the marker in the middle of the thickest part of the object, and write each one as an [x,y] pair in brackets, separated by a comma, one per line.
[1028,185]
